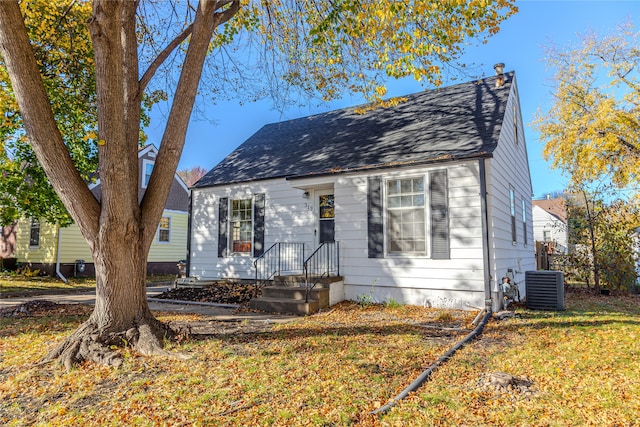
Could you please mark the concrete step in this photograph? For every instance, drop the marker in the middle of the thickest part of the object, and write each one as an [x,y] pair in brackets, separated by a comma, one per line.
[299,280]
[281,305]
[291,299]
[297,293]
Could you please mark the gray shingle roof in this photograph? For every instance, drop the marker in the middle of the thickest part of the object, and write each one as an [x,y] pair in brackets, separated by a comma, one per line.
[454,122]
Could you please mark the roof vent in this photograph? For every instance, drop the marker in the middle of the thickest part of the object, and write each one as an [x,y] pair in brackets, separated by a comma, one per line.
[499,67]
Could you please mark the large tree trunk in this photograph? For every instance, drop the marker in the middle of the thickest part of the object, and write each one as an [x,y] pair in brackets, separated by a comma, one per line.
[121,315]
[118,229]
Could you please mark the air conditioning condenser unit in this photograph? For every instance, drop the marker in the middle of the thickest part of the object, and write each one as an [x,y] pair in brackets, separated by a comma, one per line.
[545,290]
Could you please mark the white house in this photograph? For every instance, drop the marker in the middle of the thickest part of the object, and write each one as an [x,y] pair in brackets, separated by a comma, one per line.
[428,202]
[550,224]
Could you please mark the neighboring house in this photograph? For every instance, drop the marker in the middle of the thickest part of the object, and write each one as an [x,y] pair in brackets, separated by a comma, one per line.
[550,224]
[57,251]
[429,201]
[8,247]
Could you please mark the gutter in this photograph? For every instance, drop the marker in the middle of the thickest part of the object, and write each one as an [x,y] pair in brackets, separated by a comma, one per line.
[58,272]
[189,221]
[355,169]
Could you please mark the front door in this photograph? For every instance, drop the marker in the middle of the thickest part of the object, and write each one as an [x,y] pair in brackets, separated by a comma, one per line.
[326,216]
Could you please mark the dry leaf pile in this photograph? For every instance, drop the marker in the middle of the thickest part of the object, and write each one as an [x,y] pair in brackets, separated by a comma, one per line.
[580,368]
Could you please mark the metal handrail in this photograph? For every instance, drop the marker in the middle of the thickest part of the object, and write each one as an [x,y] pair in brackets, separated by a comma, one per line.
[324,261]
[280,257]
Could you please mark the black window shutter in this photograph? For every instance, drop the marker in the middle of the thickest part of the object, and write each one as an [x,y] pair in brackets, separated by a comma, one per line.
[439,215]
[258,224]
[223,219]
[374,218]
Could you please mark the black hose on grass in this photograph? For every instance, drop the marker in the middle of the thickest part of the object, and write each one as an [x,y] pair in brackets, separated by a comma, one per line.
[424,376]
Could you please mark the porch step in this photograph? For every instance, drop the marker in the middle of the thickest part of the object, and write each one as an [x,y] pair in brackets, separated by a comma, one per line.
[290,299]
[299,280]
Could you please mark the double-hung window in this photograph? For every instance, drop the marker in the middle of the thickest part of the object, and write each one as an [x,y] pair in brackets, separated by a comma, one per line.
[406,219]
[512,209]
[524,222]
[164,230]
[408,216]
[241,225]
[147,168]
[34,234]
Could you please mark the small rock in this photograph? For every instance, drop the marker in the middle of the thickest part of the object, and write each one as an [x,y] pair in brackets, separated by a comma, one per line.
[504,314]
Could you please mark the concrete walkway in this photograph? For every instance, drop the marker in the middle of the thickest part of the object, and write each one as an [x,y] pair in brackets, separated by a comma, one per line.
[222,312]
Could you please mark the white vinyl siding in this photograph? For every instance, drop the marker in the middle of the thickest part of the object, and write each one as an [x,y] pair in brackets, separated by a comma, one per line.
[456,281]
[509,168]
[289,217]
[548,227]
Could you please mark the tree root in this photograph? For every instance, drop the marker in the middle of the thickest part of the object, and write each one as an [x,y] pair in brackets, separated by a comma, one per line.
[92,343]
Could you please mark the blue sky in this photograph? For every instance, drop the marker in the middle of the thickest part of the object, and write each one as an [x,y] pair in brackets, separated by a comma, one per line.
[519,44]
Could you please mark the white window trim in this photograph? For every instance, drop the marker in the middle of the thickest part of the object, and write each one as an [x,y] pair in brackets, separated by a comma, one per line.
[143,171]
[169,229]
[513,216]
[524,223]
[385,217]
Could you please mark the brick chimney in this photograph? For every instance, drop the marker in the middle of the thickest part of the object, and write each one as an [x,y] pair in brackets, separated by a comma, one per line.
[499,67]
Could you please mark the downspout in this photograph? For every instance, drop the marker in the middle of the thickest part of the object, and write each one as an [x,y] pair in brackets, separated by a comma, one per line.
[485,233]
[58,272]
[188,266]
[487,310]
[424,376]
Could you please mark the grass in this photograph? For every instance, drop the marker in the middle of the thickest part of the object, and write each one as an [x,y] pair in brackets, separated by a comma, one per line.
[19,285]
[334,368]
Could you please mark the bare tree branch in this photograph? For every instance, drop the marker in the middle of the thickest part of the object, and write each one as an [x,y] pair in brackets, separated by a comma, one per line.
[221,18]
[162,56]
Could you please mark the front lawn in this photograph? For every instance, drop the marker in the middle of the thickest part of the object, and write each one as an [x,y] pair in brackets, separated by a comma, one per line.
[19,286]
[15,285]
[336,367]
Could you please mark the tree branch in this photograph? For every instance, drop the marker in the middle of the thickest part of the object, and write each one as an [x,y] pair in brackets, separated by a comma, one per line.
[39,122]
[205,22]
[162,56]
[222,17]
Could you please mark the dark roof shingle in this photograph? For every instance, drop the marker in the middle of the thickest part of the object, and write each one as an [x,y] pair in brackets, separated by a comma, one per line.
[454,122]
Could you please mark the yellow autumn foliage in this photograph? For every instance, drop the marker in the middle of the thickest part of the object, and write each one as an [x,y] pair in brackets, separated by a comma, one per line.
[592,130]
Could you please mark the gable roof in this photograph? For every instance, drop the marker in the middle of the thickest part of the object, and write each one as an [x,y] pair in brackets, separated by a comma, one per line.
[454,122]
[178,198]
[555,207]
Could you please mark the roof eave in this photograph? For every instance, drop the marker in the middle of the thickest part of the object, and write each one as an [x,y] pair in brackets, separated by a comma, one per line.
[444,159]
